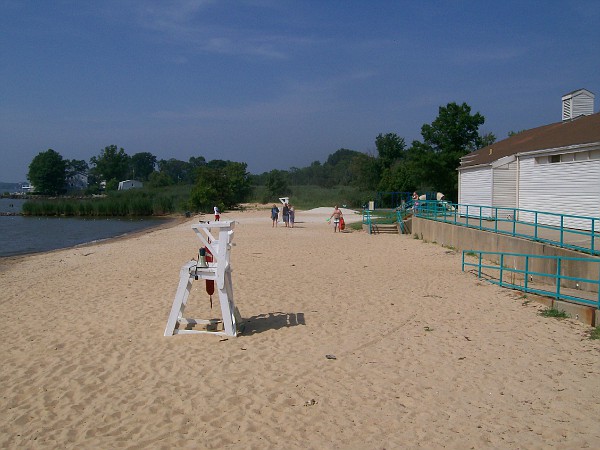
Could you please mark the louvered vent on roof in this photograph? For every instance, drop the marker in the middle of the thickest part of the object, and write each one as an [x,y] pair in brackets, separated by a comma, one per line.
[577,103]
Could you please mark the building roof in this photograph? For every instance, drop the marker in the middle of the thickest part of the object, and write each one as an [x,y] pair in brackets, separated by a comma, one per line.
[582,130]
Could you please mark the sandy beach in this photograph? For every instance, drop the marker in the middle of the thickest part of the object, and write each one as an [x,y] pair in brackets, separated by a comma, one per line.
[426,356]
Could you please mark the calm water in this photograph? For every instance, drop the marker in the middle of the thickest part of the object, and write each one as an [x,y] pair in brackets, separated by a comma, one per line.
[20,235]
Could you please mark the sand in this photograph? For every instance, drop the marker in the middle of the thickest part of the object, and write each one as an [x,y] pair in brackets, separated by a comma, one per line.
[426,356]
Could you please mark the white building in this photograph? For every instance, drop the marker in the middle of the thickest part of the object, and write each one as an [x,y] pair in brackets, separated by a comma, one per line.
[553,168]
[129,184]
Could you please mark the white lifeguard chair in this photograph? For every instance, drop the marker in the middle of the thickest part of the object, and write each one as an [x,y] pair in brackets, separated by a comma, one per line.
[219,270]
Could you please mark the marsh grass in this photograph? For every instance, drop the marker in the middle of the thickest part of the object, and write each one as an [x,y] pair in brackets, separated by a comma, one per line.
[134,202]
[595,333]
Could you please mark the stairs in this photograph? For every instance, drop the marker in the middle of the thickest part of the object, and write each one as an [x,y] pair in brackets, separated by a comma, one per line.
[378,228]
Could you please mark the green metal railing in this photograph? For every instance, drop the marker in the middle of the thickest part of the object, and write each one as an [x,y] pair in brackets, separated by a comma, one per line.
[579,233]
[384,216]
[514,270]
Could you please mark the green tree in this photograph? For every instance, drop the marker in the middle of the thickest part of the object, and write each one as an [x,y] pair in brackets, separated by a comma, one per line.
[178,171]
[111,165]
[159,179]
[453,134]
[142,165]
[238,182]
[276,184]
[47,173]
[223,185]
[390,148]
[488,139]
[338,166]
[366,171]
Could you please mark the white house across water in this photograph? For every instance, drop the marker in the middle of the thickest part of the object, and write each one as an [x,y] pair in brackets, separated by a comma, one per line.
[553,168]
[129,184]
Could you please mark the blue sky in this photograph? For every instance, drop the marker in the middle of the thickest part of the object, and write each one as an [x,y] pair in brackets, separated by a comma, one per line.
[277,83]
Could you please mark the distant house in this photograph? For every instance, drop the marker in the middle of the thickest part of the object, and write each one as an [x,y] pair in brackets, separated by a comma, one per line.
[27,188]
[130,184]
[77,182]
[554,168]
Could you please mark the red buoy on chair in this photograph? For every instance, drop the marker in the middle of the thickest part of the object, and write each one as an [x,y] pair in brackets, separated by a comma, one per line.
[210,284]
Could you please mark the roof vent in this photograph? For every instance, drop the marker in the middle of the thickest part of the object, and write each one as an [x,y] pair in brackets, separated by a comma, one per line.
[577,103]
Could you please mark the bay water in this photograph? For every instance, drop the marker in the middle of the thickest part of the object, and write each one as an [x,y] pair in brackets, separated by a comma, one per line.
[24,234]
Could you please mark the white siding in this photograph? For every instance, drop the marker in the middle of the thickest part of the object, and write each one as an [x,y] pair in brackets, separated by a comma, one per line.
[505,188]
[476,189]
[563,187]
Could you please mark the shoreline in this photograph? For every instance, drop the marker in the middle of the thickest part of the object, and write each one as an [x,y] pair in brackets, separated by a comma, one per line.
[391,320]
[168,223]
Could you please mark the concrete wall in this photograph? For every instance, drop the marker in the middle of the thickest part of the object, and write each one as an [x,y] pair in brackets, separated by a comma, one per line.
[464,238]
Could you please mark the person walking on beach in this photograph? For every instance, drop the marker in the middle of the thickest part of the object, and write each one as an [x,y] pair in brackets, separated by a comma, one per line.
[292,216]
[286,214]
[217,214]
[336,215]
[274,215]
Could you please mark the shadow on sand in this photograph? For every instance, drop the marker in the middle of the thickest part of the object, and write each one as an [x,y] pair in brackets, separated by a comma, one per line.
[271,321]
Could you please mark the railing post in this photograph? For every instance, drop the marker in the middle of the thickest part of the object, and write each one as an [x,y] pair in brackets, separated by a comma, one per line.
[526,272]
[479,269]
[514,221]
[535,223]
[480,217]
[593,239]
[562,229]
[558,270]
[496,221]
[501,268]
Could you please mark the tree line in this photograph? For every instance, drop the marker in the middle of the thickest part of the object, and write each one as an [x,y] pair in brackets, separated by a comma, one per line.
[426,165]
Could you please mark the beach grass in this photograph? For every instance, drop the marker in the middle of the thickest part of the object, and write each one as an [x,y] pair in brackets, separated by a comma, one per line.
[556,313]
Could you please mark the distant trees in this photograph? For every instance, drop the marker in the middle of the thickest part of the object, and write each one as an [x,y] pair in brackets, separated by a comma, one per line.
[429,164]
[111,165]
[47,172]
[142,165]
[224,184]
[276,185]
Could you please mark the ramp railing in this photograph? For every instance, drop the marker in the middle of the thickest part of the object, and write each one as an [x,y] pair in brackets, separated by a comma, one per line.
[549,276]
[581,233]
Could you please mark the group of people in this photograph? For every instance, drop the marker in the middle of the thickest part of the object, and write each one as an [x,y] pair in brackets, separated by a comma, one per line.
[288,215]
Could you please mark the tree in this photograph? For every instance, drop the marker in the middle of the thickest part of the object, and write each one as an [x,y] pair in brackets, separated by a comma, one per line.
[238,181]
[142,165]
[276,184]
[221,185]
[488,139]
[366,171]
[47,173]
[338,166]
[178,171]
[453,134]
[390,148]
[110,165]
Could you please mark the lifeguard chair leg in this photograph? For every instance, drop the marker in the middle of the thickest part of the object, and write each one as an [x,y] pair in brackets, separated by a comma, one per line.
[180,300]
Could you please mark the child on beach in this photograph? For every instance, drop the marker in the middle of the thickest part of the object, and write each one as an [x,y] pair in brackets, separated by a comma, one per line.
[274,215]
